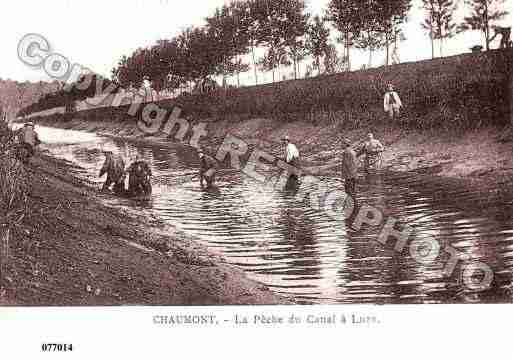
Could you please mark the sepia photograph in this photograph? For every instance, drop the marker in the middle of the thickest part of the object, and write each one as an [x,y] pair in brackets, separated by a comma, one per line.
[287,154]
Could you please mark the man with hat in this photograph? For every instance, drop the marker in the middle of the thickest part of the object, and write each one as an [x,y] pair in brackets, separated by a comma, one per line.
[208,169]
[349,168]
[28,138]
[392,102]
[291,155]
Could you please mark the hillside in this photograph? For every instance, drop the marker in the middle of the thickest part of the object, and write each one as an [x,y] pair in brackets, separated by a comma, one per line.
[466,91]
[17,95]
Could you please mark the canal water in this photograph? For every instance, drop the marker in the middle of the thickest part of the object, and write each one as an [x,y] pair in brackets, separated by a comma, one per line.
[301,252]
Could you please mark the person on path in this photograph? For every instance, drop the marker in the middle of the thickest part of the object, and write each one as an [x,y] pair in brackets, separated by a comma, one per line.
[29,140]
[392,103]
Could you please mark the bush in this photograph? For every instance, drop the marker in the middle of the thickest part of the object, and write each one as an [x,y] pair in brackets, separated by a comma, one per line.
[13,190]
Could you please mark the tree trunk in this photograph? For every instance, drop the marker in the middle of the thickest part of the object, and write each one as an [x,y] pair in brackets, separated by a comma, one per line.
[295,68]
[388,52]
[432,33]
[254,64]
[238,71]
[347,52]
[511,94]
[486,26]
[348,59]
[432,44]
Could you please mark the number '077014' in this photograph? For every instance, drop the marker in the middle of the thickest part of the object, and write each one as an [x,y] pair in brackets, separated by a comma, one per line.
[55,347]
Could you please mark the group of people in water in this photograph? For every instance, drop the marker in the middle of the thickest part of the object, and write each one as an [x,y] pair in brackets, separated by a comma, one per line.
[139,172]
[139,176]
[371,150]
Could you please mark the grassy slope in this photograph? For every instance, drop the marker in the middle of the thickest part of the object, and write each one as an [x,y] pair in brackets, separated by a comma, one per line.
[460,91]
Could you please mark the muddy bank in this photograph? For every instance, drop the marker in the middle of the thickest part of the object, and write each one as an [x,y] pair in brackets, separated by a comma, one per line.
[70,249]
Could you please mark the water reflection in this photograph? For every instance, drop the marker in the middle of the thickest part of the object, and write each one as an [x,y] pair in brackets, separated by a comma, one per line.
[282,241]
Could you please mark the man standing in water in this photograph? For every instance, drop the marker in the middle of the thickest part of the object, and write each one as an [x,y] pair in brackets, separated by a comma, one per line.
[208,169]
[349,168]
[372,150]
[392,103]
[291,156]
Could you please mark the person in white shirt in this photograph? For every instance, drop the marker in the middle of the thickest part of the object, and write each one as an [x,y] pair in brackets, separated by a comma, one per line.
[392,103]
[291,154]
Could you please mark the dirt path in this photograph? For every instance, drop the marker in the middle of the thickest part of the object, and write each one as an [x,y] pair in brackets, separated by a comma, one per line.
[70,249]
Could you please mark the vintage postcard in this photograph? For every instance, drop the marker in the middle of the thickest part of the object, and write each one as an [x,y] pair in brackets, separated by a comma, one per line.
[344,164]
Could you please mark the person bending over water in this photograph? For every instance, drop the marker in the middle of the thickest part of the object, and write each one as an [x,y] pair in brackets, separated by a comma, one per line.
[208,170]
[139,180]
[114,167]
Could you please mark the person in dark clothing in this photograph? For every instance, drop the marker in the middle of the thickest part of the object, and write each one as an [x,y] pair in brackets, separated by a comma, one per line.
[349,168]
[208,170]
[139,178]
[350,174]
[114,167]
[28,140]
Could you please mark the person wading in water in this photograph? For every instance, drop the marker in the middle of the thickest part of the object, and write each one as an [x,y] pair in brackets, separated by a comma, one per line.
[291,158]
[372,150]
[139,180]
[349,168]
[349,174]
[114,167]
[208,170]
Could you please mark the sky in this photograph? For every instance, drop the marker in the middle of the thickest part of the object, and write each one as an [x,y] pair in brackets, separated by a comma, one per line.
[96,33]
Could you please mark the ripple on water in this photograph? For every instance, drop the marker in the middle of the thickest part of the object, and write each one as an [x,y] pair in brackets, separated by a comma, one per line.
[297,250]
